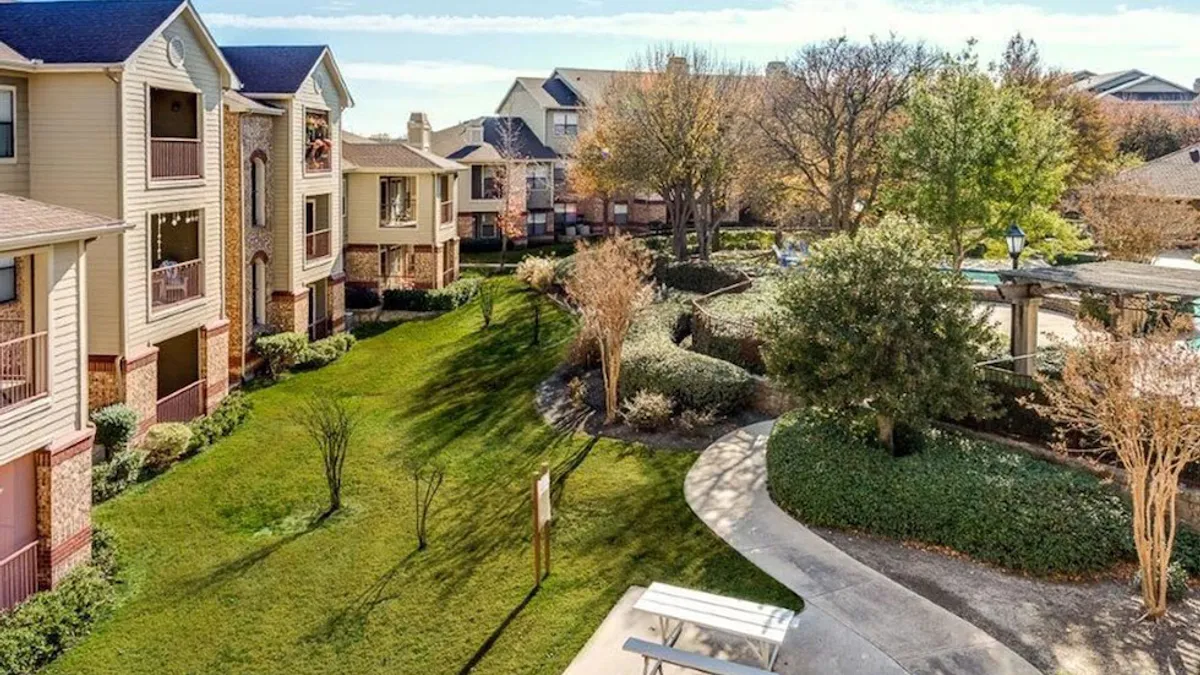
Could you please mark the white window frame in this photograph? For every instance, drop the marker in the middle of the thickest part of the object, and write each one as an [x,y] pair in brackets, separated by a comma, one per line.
[258,197]
[416,205]
[304,170]
[566,123]
[167,183]
[479,228]
[532,220]
[258,292]
[15,149]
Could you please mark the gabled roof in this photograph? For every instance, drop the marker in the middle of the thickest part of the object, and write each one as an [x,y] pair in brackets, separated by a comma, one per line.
[1107,83]
[452,142]
[33,223]
[241,104]
[1175,175]
[280,69]
[368,154]
[587,83]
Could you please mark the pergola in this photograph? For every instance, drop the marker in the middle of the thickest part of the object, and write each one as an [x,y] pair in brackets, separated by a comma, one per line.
[1025,288]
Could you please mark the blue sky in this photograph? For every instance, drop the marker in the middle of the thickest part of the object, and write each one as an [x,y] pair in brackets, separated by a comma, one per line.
[454,59]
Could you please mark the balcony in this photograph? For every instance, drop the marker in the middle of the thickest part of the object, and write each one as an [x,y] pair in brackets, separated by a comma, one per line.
[446,212]
[316,245]
[172,283]
[538,198]
[401,213]
[183,405]
[23,372]
[18,577]
[174,158]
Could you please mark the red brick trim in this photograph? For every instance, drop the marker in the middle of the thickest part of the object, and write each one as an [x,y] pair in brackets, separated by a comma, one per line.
[337,279]
[216,328]
[362,248]
[150,355]
[287,295]
[339,324]
[70,446]
[71,546]
[103,363]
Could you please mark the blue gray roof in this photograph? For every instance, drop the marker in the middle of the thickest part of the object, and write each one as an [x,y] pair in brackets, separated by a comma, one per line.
[527,144]
[81,31]
[560,92]
[273,69]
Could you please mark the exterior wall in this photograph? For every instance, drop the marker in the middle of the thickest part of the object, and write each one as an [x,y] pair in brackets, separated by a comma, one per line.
[139,377]
[563,145]
[14,174]
[64,503]
[466,226]
[520,103]
[337,302]
[58,292]
[214,362]
[143,198]
[288,311]
[233,249]
[362,211]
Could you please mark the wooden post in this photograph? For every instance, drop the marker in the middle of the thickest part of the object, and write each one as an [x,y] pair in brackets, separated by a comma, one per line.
[546,525]
[537,544]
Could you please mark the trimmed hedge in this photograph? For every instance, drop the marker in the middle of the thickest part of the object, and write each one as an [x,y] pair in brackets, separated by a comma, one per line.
[653,361]
[228,416]
[695,277]
[281,351]
[115,426]
[358,297]
[117,475]
[445,299]
[993,504]
[324,352]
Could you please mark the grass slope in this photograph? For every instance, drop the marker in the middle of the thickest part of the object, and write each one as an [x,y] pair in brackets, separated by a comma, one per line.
[227,574]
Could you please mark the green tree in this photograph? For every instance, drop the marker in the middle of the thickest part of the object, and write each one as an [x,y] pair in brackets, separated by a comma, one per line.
[975,157]
[874,321]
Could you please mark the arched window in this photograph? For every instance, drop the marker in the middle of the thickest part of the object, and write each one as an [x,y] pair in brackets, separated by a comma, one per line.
[258,292]
[258,191]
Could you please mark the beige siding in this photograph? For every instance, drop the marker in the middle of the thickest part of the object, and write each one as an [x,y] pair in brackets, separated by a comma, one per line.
[58,299]
[199,73]
[284,225]
[14,173]
[362,209]
[520,103]
[74,127]
[305,184]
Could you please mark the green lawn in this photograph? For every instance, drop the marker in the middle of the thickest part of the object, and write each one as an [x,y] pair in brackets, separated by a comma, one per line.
[226,574]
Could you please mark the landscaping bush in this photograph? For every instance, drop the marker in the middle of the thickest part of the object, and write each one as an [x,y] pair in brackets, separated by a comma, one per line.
[117,474]
[537,272]
[451,297]
[324,352]
[281,351]
[358,297]
[49,623]
[165,444]
[697,421]
[115,426]
[728,339]
[647,411]
[745,240]
[653,361]
[695,277]
[1177,582]
[228,416]
[996,505]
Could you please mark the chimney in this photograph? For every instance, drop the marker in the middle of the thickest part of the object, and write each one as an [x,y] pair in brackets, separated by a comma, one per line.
[775,67]
[1194,153]
[1196,85]
[677,65]
[419,131]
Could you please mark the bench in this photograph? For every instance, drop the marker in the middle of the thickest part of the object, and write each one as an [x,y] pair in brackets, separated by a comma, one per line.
[655,655]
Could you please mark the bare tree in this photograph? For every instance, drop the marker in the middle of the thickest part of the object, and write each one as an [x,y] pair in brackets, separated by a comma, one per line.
[330,424]
[825,115]
[1130,222]
[609,285]
[509,183]
[1141,396]
[428,477]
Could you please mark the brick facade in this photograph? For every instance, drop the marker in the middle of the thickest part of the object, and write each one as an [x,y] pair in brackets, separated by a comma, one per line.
[466,226]
[17,310]
[140,375]
[425,266]
[214,355]
[337,301]
[64,503]
[105,381]
[288,311]
[234,251]
[362,265]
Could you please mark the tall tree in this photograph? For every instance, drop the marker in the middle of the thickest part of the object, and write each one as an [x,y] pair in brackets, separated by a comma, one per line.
[824,116]
[975,157]
[1130,222]
[509,183]
[591,174]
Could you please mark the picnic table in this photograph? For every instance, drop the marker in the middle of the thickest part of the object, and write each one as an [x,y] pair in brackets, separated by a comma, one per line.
[763,626]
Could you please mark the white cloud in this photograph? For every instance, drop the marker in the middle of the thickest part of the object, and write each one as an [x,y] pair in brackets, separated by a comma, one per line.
[428,73]
[791,22]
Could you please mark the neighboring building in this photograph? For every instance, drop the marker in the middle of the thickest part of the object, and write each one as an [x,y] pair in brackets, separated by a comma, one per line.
[45,439]
[1174,177]
[118,109]
[1133,85]
[401,211]
[283,183]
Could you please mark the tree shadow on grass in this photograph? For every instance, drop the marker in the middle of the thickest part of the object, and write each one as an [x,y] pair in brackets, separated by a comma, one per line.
[497,633]
[348,624]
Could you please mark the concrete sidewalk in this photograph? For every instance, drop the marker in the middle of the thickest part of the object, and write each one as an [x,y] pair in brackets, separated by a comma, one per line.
[855,619]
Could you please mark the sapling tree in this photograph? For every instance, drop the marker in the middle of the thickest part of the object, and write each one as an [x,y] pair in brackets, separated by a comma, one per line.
[609,284]
[487,303]
[428,476]
[330,424]
[1141,398]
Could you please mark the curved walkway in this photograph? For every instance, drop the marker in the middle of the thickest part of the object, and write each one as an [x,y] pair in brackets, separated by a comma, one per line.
[855,620]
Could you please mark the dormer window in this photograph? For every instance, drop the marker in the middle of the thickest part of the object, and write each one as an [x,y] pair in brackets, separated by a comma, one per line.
[475,135]
[566,124]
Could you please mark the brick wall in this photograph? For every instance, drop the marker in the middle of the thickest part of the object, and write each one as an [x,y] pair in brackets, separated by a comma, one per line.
[642,213]
[64,503]
[17,310]
[104,381]
[362,265]
[287,311]
[214,351]
[425,265]
[337,301]
[466,225]
[235,263]
[141,387]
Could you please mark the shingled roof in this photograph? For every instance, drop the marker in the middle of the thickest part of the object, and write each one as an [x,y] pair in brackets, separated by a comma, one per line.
[29,222]
[1176,175]
[81,31]
[271,69]
[370,154]
[451,141]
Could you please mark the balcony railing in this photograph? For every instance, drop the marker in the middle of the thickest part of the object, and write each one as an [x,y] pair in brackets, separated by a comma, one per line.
[400,215]
[316,245]
[320,329]
[449,276]
[184,405]
[446,213]
[174,158]
[173,283]
[23,373]
[18,577]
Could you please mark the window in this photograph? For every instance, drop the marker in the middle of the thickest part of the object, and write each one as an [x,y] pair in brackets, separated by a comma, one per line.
[620,213]
[318,142]
[397,201]
[443,185]
[8,120]
[384,267]
[537,177]
[485,226]
[566,124]
[258,192]
[560,177]
[175,146]
[8,279]
[535,224]
[316,227]
[484,182]
[258,293]
[176,264]
[475,135]
[565,214]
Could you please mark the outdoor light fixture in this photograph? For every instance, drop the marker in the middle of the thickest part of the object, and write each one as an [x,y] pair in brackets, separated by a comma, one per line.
[1015,238]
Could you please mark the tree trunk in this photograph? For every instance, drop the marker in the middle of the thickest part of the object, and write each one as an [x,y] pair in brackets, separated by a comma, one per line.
[886,425]
[503,250]
[605,203]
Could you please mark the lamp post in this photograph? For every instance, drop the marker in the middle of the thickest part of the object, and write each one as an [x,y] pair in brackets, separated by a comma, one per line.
[1015,238]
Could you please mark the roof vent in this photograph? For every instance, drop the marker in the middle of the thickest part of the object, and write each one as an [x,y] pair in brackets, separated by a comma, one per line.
[1194,153]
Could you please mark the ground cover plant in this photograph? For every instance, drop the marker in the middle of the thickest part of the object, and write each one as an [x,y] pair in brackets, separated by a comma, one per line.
[231,572]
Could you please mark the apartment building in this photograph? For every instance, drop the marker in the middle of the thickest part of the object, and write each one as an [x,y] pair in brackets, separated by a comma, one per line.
[121,105]
[283,196]
[45,440]
[1134,86]
[401,211]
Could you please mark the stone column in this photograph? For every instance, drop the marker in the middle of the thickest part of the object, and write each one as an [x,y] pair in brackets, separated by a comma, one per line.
[1025,300]
[337,301]
[214,359]
[141,387]
[64,506]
